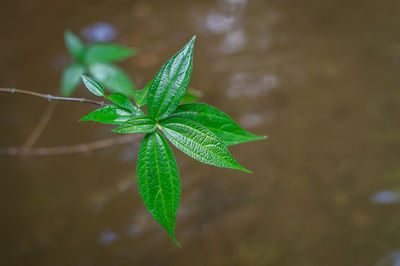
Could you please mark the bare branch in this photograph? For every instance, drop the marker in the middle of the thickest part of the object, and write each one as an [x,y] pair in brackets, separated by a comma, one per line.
[40,126]
[51,97]
[79,148]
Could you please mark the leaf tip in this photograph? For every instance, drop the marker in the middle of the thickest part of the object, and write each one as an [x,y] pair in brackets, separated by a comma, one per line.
[245,170]
[172,235]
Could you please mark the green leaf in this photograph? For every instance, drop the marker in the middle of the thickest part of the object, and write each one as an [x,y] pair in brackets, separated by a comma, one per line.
[109,114]
[74,45]
[198,142]
[170,83]
[107,52]
[191,95]
[113,78]
[122,101]
[93,85]
[158,181]
[139,124]
[215,120]
[141,95]
[71,77]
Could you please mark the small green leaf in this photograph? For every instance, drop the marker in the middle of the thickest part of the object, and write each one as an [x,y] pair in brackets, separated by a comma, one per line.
[170,83]
[123,101]
[215,120]
[71,77]
[113,78]
[141,95]
[109,114]
[74,45]
[93,85]
[158,180]
[191,95]
[107,52]
[198,142]
[139,124]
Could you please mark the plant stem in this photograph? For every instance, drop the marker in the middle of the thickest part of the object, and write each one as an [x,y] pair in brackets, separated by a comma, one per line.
[51,97]
[78,148]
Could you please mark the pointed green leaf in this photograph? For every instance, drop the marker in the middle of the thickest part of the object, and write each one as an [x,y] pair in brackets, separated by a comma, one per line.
[71,78]
[139,124]
[109,114]
[158,181]
[107,52]
[215,120]
[74,45]
[113,78]
[141,95]
[93,85]
[198,142]
[122,101]
[170,83]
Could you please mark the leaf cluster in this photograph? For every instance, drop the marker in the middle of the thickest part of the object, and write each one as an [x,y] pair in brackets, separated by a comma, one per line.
[197,129]
[96,60]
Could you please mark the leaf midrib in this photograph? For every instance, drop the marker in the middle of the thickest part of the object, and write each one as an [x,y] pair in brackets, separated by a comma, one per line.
[169,85]
[223,159]
[218,129]
[159,179]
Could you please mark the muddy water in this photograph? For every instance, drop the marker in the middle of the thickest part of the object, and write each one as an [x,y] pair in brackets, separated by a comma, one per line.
[320,77]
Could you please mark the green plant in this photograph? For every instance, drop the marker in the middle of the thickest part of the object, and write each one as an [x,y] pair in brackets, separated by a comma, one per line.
[199,130]
[96,60]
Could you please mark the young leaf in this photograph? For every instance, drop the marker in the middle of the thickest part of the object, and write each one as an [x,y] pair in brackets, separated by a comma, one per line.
[158,181]
[74,45]
[215,120]
[122,101]
[170,83]
[109,114]
[198,142]
[139,124]
[107,52]
[113,78]
[93,85]
[141,95]
[71,77]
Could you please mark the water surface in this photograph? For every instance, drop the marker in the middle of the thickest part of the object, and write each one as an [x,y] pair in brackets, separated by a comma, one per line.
[320,77]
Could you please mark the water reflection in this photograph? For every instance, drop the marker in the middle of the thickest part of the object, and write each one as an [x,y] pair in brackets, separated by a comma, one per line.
[385,197]
[108,237]
[251,84]
[233,42]
[393,259]
[99,32]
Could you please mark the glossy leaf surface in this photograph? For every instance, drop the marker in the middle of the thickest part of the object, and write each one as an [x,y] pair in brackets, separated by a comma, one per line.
[113,78]
[139,124]
[158,180]
[93,85]
[107,52]
[198,142]
[109,114]
[74,45]
[123,101]
[71,78]
[170,83]
[217,121]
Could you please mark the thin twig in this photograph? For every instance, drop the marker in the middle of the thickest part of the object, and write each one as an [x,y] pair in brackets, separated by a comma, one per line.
[40,126]
[79,148]
[51,97]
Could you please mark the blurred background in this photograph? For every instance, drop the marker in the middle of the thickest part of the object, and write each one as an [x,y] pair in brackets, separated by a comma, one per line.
[321,78]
